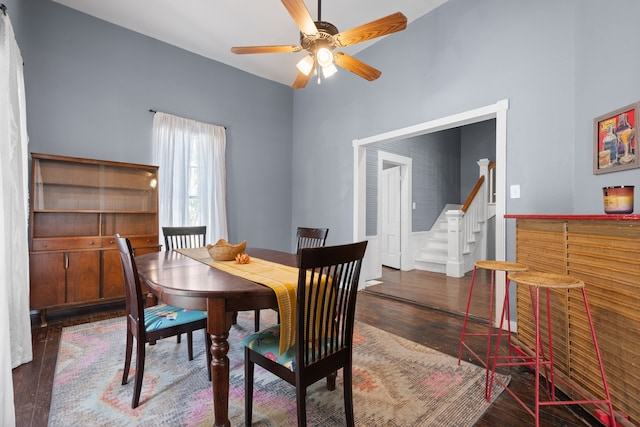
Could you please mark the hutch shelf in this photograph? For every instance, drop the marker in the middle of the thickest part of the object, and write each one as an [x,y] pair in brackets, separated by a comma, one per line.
[76,207]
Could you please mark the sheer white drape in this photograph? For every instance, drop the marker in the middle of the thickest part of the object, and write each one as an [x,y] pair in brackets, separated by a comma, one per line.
[174,139]
[15,323]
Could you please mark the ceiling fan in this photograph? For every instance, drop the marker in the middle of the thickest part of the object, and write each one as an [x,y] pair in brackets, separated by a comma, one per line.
[320,39]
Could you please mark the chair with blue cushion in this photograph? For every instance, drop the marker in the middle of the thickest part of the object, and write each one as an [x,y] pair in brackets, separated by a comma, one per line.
[148,325]
[325,315]
[182,238]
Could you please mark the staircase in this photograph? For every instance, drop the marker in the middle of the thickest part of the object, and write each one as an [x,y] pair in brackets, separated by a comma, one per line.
[459,236]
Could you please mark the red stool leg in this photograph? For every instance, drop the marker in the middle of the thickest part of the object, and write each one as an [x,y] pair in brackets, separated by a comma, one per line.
[534,300]
[540,359]
[612,421]
[466,314]
[487,393]
[551,385]
[496,354]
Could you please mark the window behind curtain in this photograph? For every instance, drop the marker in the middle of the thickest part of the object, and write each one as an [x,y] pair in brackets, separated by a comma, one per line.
[192,182]
[194,199]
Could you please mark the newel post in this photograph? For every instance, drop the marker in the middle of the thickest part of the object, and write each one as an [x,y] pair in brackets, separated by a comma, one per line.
[487,190]
[455,265]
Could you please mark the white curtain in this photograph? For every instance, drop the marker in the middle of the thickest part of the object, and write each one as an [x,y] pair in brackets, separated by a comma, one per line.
[174,139]
[15,323]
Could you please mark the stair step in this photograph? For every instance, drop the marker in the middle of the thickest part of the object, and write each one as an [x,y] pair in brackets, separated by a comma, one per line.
[432,255]
[434,251]
[436,244]
[435,267]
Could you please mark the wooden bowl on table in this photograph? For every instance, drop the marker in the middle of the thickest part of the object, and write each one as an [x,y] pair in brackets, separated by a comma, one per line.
[225,251]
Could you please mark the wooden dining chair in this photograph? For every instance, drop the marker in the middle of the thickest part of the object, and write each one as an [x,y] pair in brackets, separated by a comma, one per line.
[325,309]
[306,238]
[311,237]
[184,237]
[147,325]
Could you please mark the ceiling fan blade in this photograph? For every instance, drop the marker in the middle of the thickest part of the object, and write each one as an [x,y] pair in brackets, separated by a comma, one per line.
[378,28]
[266,49]
[356,66]
[301,16]
[301,80]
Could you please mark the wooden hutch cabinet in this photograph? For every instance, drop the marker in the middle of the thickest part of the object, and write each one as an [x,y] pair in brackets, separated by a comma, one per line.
[77,205]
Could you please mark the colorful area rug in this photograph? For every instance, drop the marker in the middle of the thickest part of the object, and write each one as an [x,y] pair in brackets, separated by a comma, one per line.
[396,383]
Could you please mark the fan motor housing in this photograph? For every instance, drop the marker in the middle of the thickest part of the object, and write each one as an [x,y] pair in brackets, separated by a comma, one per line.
[324,37]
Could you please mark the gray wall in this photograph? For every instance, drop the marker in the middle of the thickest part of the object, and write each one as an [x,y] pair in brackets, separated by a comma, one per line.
[445,170]
[545,57]
[14,11]
[90,85]
[435,176]
[477,141]
[599,92]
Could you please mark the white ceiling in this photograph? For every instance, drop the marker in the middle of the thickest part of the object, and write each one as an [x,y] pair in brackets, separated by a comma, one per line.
[211,27]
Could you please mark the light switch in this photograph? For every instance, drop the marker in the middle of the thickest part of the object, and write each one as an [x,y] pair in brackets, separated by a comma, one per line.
[515,191]
[414,205]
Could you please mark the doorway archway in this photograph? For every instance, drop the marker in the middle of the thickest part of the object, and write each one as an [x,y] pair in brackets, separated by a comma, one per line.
[497,111]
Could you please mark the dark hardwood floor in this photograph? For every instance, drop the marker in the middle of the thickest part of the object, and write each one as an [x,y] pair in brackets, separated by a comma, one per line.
[423,307]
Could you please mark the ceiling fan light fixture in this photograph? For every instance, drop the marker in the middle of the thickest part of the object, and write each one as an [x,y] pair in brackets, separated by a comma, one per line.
[329,70]
[325,57]
[305,65]
[321,38]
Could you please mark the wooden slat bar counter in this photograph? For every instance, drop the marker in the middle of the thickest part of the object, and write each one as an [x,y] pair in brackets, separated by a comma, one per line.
[604,252]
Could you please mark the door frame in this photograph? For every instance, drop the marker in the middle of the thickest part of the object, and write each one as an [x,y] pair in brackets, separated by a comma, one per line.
[405,164]
[496,111]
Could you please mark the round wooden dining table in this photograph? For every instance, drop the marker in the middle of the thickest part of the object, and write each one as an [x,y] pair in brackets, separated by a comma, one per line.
[181,281]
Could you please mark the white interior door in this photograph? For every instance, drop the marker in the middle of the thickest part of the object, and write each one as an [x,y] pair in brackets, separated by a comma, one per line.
[390,221]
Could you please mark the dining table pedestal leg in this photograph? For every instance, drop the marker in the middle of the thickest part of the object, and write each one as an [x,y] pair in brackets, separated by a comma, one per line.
[218,325]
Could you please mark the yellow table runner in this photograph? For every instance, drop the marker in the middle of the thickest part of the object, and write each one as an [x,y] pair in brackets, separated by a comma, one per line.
[281,278]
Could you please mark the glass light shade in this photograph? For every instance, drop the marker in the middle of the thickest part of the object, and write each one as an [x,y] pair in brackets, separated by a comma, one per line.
[329,70]
[325,57]
[305,65]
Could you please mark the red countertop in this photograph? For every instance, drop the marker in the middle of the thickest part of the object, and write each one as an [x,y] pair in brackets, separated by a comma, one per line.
[596,217]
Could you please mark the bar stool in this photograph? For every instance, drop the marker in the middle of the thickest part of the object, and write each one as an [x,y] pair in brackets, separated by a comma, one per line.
[492,266]
[549,281]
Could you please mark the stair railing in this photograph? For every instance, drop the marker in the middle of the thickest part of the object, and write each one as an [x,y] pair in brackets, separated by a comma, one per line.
[469,222]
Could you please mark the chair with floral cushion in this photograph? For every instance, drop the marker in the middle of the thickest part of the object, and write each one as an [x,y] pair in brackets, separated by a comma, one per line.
[147,325]
[324,321]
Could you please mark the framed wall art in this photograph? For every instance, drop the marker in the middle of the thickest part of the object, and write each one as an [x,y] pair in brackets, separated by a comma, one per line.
[615,142]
